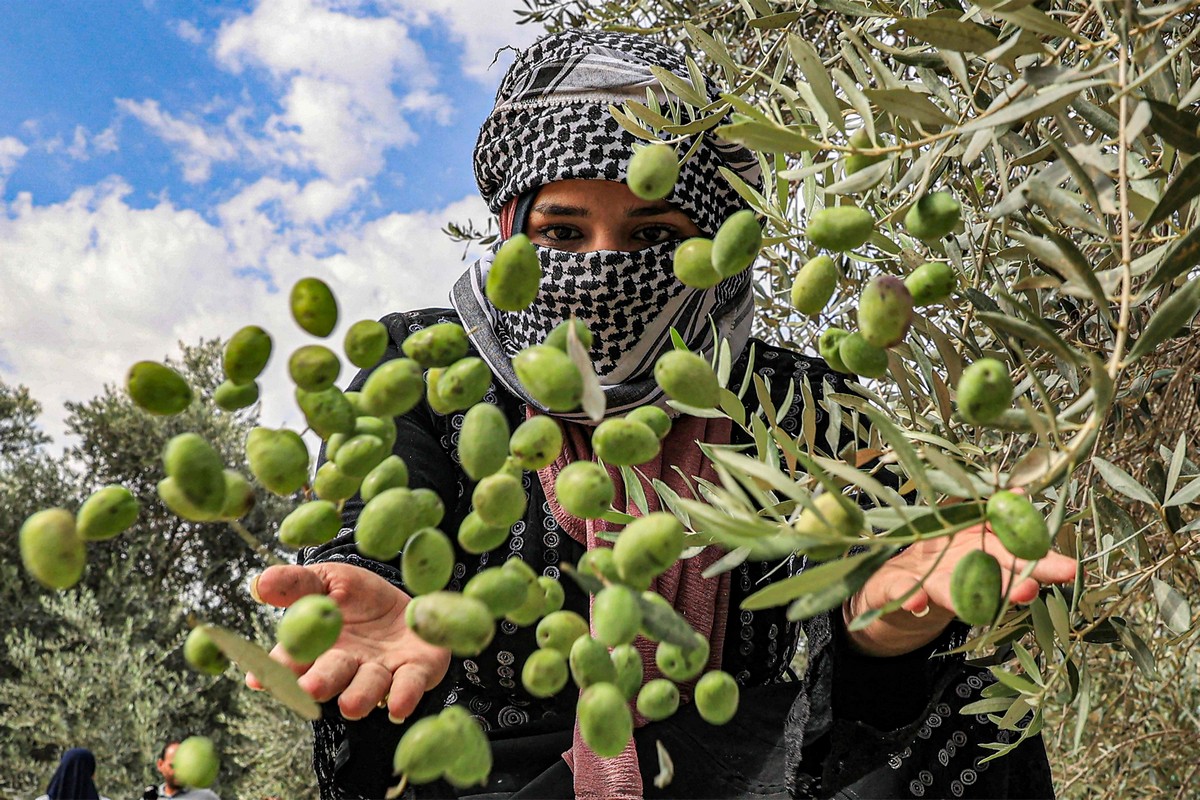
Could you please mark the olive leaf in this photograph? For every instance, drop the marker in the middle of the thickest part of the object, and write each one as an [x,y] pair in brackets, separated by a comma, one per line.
[278,680]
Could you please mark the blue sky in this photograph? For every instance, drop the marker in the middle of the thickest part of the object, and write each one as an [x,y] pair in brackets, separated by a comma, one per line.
[167,167]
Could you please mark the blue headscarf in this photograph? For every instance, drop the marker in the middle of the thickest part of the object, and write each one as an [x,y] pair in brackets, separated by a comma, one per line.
[73,778]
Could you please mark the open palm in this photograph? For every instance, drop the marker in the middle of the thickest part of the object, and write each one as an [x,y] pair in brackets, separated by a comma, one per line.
[376,656]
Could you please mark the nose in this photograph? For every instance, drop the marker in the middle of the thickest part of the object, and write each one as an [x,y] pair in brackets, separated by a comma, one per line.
[613,240]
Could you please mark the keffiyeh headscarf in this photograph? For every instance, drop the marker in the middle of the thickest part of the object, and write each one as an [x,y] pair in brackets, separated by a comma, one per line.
[551,122]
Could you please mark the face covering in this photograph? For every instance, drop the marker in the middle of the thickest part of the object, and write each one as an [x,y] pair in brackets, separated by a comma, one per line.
[629,301]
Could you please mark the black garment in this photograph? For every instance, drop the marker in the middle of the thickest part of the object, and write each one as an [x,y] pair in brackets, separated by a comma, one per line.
[810,735]
[72,780]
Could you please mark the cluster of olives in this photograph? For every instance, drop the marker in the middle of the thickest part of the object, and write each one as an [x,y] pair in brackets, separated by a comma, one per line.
[53,542]
[359,432]
[886,305]
[600,659]
[976,583]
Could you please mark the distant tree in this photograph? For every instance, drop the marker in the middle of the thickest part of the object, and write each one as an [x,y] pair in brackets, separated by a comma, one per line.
[101,666]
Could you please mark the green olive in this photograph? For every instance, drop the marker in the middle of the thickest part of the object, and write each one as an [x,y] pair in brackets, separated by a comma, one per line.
[391,473]
[195,762]
[680,664]
[933,216]
[931,283]
[246,355]
[197,469]
[230,396]
[461,624]
[515,275]
[814,285]
[658,699]
[688,378]
[500,589]
[326,411]
[365,343]
[426,750]
[331,484]
[630,670]
[737,243]
[427,562]
[475,536]
[312,523]
[1018,525]
[550,376]
[202,653]
[536,442]
[483,441]
[51,550]
[653,417]
[617,615]
[861,357]
[975,588]
[605,722]
[499,500]
[647,547]
[624,442]
[840,228]
[652,171]
[313,306]
[584,489]
[157,388]
[438,345]
[693,264]
[309,627]
[884,311]
[314,367]
[106,513]
[394,388]
[544,673]
[985,390]
[828,345]
[558,630]
[590,663]
[716,697]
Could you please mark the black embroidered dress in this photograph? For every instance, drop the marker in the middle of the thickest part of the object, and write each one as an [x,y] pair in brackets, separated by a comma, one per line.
[850,726]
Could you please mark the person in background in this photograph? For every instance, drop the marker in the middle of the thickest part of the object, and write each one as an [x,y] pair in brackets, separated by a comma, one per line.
[73,780]
[169,788]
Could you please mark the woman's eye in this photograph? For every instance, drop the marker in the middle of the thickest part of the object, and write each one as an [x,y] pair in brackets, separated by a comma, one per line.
[657,234]
[559,233]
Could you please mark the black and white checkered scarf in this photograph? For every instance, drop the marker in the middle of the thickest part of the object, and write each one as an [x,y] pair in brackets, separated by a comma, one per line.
[551,122]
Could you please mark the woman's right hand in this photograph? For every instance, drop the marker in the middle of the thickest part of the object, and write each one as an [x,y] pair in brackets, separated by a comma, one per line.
[375,657]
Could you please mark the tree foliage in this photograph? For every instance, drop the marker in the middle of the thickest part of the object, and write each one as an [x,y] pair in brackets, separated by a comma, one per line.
[1069,132]
[101,666]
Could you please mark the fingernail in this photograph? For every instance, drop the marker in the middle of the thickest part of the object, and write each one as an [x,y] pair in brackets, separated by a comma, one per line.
[396,720]
[254,588]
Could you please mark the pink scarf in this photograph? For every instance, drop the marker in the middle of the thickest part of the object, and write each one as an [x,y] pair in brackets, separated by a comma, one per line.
[703,602]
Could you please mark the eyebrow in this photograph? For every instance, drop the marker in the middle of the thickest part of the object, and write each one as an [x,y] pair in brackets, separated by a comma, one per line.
[557,210]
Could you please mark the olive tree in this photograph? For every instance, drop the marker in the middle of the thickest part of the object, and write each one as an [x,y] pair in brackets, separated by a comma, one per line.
[1068,132]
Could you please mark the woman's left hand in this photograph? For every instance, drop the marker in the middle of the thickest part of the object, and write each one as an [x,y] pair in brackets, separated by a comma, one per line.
[902,631]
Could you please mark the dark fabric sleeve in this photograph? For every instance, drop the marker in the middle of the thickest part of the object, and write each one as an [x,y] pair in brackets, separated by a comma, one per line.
[354,759]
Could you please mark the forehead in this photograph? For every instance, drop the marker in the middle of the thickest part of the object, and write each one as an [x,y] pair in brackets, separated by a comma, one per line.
[589,197]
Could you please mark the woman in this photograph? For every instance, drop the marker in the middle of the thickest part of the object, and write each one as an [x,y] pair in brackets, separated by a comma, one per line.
[73,778]
[550,162]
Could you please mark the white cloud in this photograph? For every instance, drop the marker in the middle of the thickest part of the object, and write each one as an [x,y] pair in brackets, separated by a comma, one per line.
[346,84]
[197,147]
[338,75]
[12,150]
[103,284]
[482,26]
[189,32]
